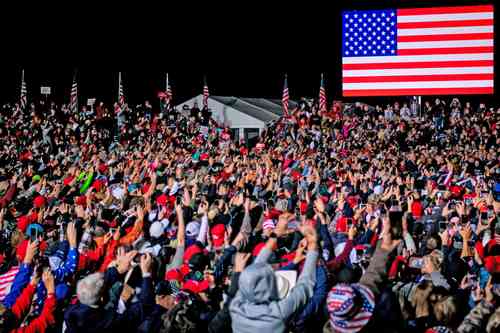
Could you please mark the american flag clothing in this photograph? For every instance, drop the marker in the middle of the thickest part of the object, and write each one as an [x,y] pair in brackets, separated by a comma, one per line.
[74,96]
[24,92]
[350,307]
[322,95]
[121,97]
[419,51]
[285,98]
[205,93]
[6,280]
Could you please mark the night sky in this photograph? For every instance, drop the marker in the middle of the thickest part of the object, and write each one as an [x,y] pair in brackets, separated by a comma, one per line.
[243,51]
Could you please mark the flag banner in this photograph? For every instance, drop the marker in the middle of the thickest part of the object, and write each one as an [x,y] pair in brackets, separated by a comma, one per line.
[322,95]
[24,92]
[121,97]
[74,96]
[419,51]
[168,93]
[205,93]
[285,98]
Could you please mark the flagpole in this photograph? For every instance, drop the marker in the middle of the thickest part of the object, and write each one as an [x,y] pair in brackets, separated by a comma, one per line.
[166,86]
[119,83]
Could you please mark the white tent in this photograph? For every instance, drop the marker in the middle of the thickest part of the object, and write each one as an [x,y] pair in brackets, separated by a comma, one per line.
[246,117]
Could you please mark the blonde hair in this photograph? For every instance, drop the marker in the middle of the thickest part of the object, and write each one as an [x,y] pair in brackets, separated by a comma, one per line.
[436,258]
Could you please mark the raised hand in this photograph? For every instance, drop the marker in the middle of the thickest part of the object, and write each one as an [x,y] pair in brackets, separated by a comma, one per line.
[388,244]
[71,234]
[123,260]
[146,262]
[31,251]
[240,261]
[48,281]
[299,253]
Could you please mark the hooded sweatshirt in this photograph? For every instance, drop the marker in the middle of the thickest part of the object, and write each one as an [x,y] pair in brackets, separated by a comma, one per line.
[257,307]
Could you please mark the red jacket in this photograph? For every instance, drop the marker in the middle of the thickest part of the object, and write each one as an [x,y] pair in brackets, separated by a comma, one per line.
[22,306]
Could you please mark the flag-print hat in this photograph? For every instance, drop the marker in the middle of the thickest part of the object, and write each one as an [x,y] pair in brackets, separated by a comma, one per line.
[350,307]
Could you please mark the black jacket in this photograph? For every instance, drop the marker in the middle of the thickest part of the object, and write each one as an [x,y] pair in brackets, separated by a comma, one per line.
[83,318]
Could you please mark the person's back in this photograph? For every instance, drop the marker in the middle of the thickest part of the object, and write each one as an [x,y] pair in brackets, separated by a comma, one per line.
[83,318]
[257,306]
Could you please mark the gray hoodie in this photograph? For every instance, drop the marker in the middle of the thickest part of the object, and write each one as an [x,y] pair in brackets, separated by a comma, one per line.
[257,307]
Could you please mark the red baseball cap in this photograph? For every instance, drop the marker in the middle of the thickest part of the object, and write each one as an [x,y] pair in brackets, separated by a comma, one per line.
[217,233]
[39,201]
[196,286]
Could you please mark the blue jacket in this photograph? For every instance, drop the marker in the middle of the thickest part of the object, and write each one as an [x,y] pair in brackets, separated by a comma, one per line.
[61,274]
[316,302]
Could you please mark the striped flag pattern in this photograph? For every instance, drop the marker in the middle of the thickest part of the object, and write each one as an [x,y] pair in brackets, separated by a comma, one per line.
[168,93]
[205,92]
[121,97]
[24,92]
[74,96]
[419,51]
[322,95]
[6,281]
[285,98]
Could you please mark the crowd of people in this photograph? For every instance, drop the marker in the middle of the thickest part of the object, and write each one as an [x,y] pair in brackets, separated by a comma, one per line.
[361,219]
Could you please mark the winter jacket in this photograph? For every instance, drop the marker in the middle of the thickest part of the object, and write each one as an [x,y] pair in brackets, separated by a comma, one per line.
[256,306]
[83,318]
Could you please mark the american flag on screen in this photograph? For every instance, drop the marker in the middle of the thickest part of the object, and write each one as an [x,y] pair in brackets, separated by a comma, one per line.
[419,51]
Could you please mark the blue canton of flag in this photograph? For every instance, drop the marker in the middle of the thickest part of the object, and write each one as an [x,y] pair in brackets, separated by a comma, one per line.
[369,33]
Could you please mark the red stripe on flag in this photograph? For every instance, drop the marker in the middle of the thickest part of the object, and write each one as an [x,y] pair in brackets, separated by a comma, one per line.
[444,24]
[430,38]
[445,10]
[410,78]
[446,50]
[423,64]
[418,91]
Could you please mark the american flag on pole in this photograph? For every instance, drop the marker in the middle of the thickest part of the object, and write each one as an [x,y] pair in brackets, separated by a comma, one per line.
[419,51]
[322,95]
[205,92]
[73,104]
[168,93]
[285,98]
[121,97]
[24,92]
